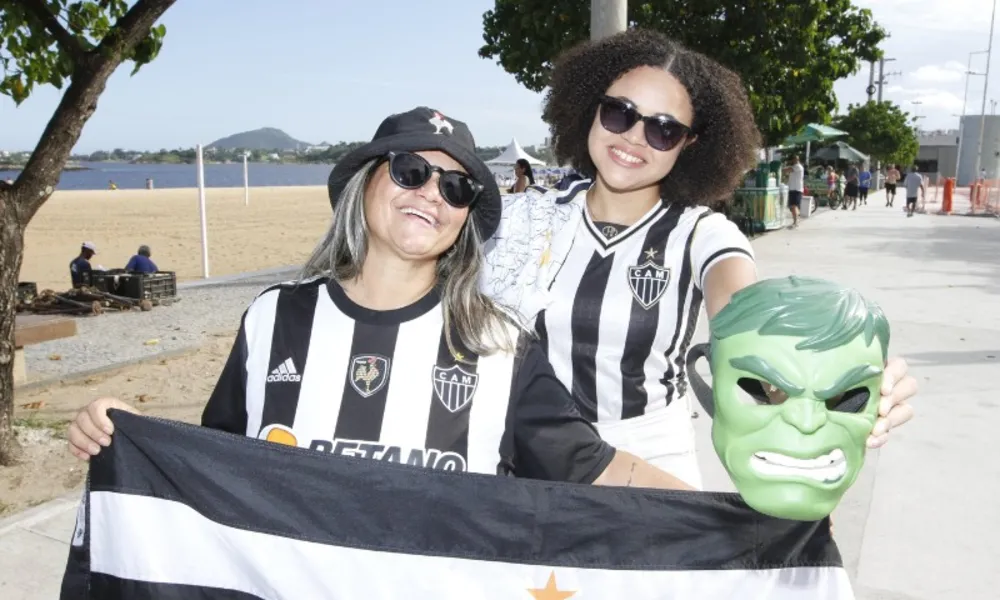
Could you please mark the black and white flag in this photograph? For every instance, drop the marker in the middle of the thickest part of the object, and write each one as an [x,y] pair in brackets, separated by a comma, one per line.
[176,511]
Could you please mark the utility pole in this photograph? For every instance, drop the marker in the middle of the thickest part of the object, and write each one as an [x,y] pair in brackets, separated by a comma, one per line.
[986,85]
[961,120]
[607,17]
[870,90]
[882,75]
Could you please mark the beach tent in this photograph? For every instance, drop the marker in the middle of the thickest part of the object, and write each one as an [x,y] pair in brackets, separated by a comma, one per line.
[841,151]
[813,132]
[512,153]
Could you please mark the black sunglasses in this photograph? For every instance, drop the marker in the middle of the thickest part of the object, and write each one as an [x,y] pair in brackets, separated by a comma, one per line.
[411,171]
[663,133]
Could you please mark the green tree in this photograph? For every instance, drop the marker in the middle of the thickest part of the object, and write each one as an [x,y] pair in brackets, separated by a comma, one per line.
[53,42]
[881,130]
[789,52]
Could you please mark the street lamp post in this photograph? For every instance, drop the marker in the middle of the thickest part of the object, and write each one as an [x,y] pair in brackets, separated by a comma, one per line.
[982,116]
[961,119]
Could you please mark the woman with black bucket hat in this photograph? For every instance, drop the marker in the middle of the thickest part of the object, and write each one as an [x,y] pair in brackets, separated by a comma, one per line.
[612,272]
[386,349]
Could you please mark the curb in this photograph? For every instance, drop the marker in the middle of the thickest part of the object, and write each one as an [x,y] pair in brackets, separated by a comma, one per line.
[223,279]
[78,376]
[36,514]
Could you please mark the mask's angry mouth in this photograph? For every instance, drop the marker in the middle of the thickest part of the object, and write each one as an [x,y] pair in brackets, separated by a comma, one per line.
[828,468]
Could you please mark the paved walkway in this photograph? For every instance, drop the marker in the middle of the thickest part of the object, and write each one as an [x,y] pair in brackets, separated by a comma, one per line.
[922,521]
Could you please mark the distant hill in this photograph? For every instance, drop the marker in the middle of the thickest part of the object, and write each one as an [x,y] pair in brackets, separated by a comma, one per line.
[267,138]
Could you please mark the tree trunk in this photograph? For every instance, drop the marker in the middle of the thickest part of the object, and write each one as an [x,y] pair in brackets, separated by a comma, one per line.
[20,202]
[11,251]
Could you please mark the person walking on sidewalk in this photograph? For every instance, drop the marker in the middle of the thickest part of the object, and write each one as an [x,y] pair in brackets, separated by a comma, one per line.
[864,183]
[796,185]
[891,177]
[914,182]
[852,190]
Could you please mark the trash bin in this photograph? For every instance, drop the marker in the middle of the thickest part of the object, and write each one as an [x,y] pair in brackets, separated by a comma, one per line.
[806,209]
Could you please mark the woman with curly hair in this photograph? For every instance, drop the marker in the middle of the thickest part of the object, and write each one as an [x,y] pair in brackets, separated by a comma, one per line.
[613,271]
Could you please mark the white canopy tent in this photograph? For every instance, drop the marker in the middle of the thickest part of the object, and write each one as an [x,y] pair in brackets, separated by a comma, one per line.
[512,153]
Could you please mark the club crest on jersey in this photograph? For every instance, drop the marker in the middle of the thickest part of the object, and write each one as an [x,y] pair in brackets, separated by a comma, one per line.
[368,374]
[454,387]
[648,281]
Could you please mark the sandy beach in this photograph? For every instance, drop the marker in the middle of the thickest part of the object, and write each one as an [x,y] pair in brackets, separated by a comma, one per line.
[280,227]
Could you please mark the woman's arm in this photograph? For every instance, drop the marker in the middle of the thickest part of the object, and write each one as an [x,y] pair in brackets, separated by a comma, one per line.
[628,470]
[552,441]
[727,276]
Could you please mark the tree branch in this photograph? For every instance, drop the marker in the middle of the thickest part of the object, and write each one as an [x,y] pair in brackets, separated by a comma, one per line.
[66,40]
[133,27]
[41,173]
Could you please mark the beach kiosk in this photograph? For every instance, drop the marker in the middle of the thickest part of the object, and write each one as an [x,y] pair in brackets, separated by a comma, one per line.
[761,200]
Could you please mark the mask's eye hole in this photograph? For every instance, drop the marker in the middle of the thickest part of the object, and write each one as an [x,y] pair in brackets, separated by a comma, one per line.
[756,391]
[852,401]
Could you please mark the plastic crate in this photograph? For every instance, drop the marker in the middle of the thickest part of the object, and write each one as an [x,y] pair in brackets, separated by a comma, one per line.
[148,286]
[107,281]
[27,291]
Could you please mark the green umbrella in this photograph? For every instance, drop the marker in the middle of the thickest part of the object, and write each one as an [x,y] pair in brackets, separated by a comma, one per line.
[841,151]
[813,132]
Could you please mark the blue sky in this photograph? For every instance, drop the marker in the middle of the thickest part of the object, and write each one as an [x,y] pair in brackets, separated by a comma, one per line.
[330,70]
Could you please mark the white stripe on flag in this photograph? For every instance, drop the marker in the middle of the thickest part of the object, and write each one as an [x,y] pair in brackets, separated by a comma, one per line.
[147,539]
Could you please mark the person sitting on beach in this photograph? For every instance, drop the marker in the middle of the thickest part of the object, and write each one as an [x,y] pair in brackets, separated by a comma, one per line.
[140,262]
[378,350]
[79,267]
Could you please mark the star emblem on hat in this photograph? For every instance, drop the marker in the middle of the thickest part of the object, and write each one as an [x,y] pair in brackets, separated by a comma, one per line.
[441,124]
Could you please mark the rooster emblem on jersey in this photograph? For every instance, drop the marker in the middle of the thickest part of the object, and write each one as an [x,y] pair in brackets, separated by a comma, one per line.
[441,124]
[369,373]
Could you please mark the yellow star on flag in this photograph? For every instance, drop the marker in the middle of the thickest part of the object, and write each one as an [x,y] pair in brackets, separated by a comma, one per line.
[546,258]
[458,356]
[551,591]
[547,253]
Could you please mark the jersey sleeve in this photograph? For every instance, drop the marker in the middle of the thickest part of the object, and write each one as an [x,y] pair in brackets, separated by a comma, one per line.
[551,439]
[227,406]
[716,238]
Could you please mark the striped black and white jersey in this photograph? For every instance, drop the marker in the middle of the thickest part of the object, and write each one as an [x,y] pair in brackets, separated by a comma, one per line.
[312,369]
[625,305]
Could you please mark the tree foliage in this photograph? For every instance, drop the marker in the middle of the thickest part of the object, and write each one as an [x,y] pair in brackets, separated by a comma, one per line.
[52,42]
[789,52]
[41,41]
[882,130]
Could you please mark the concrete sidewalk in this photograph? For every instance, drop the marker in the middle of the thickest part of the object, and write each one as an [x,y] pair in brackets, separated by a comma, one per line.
[921,520]
[919,524]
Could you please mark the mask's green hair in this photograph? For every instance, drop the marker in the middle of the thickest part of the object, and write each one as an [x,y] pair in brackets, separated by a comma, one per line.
[825,314]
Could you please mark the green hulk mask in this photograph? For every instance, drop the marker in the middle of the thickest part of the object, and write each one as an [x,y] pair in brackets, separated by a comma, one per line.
[808,356]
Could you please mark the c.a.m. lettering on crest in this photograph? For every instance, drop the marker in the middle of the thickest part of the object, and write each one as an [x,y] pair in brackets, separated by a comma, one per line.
[648,281]
[454,387]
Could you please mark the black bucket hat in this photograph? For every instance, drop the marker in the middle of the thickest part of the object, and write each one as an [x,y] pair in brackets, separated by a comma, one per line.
[425,129]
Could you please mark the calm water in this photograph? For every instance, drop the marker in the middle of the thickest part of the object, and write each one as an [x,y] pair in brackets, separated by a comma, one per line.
[129,176]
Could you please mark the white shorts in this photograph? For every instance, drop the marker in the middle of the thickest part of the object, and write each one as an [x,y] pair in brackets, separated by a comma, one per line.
[663,438]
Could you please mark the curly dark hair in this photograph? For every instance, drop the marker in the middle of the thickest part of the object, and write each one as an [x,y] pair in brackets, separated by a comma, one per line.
[706,171]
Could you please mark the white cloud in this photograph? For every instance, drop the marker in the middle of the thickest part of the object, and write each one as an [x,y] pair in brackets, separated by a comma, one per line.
[939,74]
[955,15]
[921,101]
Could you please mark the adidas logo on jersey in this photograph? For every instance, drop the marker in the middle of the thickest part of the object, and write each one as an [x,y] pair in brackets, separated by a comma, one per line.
[285,372]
